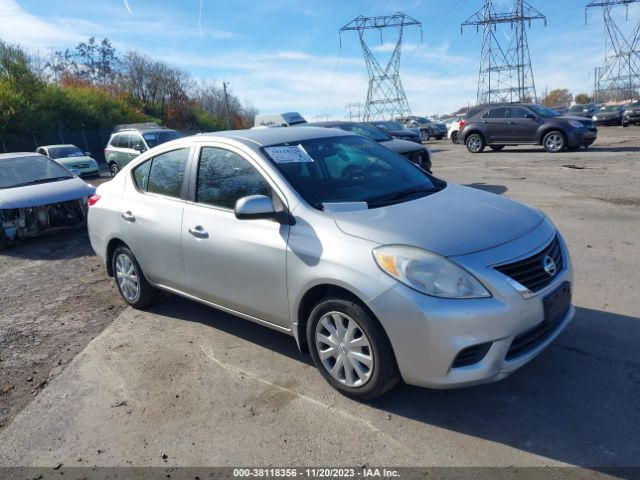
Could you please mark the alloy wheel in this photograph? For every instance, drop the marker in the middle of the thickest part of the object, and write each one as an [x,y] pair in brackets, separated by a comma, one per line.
[127,277]
[114,169]
[344,349]
[554,142]
[474,143]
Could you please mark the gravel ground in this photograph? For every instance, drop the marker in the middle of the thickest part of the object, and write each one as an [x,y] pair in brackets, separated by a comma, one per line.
[55,299]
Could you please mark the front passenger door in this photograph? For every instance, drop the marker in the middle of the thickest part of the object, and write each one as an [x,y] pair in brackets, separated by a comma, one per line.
[523,127]
[237,264]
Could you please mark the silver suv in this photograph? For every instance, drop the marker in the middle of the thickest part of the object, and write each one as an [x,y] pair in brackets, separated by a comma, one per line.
[379,269]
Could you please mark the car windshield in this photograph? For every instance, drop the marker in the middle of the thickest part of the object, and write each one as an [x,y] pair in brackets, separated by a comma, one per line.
[579,108]
[350,169]
[65,152]
[611,108]
[22,171]
[154,139]
[365,131]
[423,120]
[543,111]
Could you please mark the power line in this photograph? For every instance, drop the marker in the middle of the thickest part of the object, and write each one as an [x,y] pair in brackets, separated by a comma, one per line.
[505,72]
[619,78]
[386,97]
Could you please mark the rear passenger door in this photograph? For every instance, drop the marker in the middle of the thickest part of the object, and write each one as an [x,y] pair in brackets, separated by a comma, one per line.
[151,216]
[496,126]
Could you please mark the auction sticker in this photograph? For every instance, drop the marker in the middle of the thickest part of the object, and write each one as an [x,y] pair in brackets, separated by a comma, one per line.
[289,154]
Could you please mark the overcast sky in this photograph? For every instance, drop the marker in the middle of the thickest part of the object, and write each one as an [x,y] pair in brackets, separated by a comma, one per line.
[285,55]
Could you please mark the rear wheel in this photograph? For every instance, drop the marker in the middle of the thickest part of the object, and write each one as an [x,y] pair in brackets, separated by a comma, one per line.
[130,281]
[350,349]
[454,137]
[475,143]
[425,135]
[114,169]
[496,148]
[554,141]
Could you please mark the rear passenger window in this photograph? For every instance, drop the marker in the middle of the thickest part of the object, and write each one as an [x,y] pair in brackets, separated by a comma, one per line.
[496,113]
[224,177]
[163,174]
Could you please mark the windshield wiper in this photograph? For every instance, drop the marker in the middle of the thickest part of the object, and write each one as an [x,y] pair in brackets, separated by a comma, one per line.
[397,196]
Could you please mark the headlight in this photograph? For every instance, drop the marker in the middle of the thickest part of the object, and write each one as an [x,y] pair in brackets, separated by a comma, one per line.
[576,124]
[594,118]
[428,272]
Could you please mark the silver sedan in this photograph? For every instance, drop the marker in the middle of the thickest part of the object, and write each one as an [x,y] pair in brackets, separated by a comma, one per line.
[377,268]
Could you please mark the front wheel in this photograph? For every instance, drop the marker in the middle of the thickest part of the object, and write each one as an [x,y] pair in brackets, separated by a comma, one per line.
[475,143]
[350,349]
[554,141]
[130,281]
[114,169]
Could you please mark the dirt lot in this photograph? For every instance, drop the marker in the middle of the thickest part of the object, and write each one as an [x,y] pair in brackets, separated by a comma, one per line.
[204,386]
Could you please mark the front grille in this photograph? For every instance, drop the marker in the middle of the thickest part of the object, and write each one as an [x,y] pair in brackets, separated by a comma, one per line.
[531,271]
[471,355]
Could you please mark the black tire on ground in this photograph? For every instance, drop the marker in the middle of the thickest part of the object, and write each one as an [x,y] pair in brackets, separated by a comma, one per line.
[554,142]
[454,137]
[496,148]
[475,143]
[384,371]
[146,293]
[113,168]
[425,136]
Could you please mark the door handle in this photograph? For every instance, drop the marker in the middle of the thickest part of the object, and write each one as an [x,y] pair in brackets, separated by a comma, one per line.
[198,232]
[128,216]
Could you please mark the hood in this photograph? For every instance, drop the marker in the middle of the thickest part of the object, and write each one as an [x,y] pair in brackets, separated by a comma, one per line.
[402,146]
[73,160]
[455,221]
[45,193]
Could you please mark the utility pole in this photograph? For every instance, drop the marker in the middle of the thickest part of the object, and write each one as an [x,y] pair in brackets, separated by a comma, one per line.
[226,102]
[619,78]
[505,73]
[355,111]
[386,97]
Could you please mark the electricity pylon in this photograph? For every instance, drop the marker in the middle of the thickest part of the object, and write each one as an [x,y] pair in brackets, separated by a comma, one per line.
[505,73]
[385,96]
[619,78]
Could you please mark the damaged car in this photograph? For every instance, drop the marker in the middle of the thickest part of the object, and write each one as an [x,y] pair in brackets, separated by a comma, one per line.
[37,195]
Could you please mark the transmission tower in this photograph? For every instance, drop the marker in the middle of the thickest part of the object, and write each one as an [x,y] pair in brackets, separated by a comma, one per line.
[385,96]
[505,72]
[619,78]
[355,111]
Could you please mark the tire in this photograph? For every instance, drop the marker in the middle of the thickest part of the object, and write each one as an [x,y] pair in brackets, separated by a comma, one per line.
[114,169]
[130,280]
[426,136]
[454,137]
[496,148]
[554,142]
[341,314]
[625,124]
[475,143]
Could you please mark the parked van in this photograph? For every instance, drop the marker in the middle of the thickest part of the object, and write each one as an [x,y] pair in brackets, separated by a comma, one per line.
[279,120]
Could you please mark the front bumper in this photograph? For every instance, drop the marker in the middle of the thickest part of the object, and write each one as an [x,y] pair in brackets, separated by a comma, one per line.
[428,333]
[580,138]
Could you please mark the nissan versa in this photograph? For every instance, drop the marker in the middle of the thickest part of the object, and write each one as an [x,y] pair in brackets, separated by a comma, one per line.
[382,271]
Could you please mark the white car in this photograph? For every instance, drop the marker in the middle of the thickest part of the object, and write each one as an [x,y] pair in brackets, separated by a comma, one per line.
[454,128]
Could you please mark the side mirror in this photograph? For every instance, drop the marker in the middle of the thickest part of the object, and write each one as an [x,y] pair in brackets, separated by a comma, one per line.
[256,207]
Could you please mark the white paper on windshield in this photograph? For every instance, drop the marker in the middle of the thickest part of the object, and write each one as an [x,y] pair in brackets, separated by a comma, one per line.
[289,154]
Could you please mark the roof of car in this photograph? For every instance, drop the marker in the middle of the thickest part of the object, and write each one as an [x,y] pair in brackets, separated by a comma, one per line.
[332,123]
[274,136]
[59,145]
[6,156]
